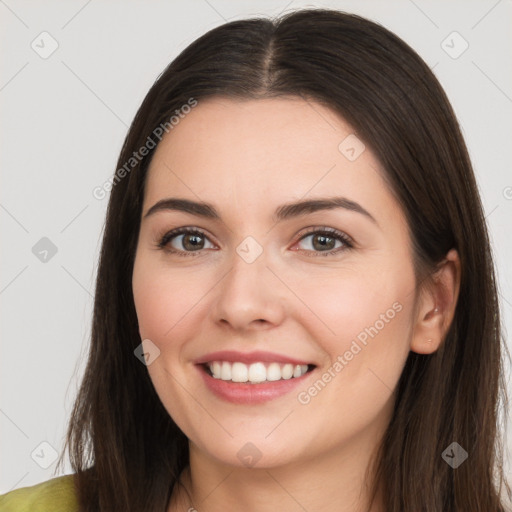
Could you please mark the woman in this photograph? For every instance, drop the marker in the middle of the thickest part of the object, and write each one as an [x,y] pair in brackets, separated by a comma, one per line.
[230,367]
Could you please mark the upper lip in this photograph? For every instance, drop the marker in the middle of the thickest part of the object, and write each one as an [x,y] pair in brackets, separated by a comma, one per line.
[234,356]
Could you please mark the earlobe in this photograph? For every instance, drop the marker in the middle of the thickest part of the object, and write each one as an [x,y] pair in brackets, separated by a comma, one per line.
[438,301]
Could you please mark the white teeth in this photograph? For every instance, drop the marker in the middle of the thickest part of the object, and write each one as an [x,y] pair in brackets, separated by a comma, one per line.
[239,372]
[225,372]
[216,368]
[255,372]
[287,371]
[273,372]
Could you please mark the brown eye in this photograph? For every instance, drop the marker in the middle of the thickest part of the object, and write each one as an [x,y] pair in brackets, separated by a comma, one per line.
[184,240]
[192,242]
[326,242]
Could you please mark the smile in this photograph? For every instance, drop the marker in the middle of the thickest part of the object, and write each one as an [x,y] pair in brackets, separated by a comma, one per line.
[255,373]
[252,378]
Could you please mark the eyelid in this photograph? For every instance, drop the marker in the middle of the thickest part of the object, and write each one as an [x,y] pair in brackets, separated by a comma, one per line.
[326,229]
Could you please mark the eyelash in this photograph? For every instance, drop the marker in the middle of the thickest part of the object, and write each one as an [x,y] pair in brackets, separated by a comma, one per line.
[330,232]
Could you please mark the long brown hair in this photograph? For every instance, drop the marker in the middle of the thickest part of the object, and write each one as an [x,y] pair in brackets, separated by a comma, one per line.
[124,447]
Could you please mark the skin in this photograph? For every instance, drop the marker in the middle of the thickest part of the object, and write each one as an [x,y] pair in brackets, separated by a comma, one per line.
[247,158]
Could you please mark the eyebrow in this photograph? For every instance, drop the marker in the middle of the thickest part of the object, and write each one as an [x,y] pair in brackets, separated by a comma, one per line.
[283,212]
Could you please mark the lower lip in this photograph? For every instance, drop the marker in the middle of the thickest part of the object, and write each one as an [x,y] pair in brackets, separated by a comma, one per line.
[247,393]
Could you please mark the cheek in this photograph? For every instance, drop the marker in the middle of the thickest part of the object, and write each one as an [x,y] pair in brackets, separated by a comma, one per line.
[164,302]
[163,299]
[343,306]
[362,321]
[151,303]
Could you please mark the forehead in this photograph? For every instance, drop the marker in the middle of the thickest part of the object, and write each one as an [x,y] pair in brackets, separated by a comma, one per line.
[250,133]
[243,154]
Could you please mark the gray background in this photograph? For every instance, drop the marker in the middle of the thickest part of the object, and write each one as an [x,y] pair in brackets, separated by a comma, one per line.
[64,118]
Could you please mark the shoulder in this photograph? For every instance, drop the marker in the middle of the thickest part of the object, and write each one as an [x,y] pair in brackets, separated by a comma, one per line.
[55,495]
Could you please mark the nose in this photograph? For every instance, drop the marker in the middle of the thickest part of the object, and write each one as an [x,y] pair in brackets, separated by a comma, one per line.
[250,295]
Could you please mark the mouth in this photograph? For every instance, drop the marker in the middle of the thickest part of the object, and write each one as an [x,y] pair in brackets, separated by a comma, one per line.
[251,378]
[255,373]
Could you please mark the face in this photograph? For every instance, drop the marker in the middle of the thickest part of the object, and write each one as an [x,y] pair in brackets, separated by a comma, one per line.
[274,334]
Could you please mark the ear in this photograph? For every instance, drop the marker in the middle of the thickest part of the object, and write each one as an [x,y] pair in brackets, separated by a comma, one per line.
[436,306]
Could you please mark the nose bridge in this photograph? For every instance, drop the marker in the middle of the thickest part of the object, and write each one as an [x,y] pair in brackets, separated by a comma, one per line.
[249,291]
[248,274]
